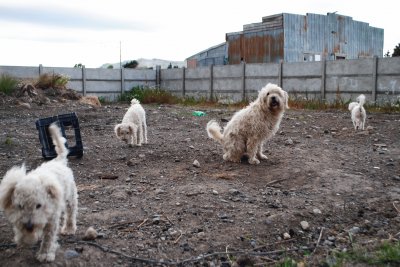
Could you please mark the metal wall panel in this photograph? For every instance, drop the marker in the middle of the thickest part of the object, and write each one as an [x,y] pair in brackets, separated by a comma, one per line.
[331,36]
[256,47]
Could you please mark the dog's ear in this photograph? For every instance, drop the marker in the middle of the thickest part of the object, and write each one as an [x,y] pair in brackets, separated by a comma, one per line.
[117,130]
[6,197]
[286,97]
[8,184]
[53,191]
[132,128]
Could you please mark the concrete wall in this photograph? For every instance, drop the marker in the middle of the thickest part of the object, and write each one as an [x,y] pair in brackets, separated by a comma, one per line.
[377,78]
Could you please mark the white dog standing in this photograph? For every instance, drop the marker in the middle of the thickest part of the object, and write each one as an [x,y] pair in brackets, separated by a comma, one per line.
[35,201]
[358,113]
[250,127]
[133,129]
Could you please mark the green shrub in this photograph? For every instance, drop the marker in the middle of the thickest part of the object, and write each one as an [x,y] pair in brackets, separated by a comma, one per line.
[8,141]
[8,84]
[148,95]
[102,99]
[385,254]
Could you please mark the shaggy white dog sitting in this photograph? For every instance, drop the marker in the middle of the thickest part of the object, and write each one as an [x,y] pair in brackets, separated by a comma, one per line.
[133,129]
[250,127]
[35,201]
[358,113]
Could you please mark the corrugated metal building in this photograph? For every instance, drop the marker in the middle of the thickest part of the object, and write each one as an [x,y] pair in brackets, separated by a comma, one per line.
[216,55]
[296,38]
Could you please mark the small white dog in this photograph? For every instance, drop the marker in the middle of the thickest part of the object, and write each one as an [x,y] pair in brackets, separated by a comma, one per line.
[250,127]
[35,201]
[133,129]
[358,113]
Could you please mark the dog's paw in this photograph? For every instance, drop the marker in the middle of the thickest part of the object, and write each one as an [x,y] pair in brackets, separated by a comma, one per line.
[227,157]
[68,230]
[46,257]
[262,156]
[254,161]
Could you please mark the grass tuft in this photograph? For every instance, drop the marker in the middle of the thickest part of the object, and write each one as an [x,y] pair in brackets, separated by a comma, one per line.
[385,254]
[159,96]
[8,84]
[52,80]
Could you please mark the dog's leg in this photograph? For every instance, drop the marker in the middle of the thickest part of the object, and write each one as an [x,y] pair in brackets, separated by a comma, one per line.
[49,245]
[252,148]
[133,139]
[144,131]
[69,224]
[139,136]
[260,154]
[234,150]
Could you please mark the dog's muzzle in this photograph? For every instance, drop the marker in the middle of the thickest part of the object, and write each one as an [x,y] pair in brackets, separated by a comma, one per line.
[274,101]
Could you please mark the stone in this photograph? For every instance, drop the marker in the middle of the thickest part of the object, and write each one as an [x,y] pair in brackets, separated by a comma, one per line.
[304,225]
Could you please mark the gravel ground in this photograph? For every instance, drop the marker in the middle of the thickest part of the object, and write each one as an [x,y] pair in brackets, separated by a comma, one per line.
[152,204]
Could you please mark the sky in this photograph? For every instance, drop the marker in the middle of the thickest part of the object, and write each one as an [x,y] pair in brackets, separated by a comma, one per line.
[94,32]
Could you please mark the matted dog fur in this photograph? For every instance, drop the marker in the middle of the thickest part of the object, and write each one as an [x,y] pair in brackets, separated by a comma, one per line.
[250,127]
[133,128]
[35,201]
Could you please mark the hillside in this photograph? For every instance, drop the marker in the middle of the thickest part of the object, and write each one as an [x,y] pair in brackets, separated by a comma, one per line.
[148,63]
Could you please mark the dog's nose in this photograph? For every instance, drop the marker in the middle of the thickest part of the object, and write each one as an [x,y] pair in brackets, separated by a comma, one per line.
[274,100]
[29,226]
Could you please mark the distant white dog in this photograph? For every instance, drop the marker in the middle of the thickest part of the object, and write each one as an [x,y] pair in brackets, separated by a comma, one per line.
[250,127]
[133,129]
[358,113]
[35,201]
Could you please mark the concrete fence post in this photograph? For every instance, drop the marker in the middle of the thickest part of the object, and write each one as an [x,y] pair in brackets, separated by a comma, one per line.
[122,81]
[323,79]
[211,82]
[158,76]
[280,73]
[374,78]
[243,81]
[183,82]
[40,69]
[83,80]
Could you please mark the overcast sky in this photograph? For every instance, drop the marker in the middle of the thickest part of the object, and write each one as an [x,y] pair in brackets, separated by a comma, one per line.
[64,33]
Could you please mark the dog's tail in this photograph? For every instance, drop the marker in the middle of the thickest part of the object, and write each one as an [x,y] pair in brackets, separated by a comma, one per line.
[134,101]
[361,100]
[58,141]
[214,131]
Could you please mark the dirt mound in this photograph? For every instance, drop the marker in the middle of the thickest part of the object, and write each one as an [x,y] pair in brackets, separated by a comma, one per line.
[28,94]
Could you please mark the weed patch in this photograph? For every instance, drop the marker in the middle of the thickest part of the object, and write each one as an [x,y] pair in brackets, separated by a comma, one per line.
[8,84]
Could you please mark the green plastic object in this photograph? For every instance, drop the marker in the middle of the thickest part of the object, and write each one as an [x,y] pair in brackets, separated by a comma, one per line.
[198,113]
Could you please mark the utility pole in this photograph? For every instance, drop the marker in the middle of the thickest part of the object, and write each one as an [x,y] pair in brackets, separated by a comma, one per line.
[120,63]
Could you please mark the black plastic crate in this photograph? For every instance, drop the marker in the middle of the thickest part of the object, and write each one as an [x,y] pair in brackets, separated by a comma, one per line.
[66,122]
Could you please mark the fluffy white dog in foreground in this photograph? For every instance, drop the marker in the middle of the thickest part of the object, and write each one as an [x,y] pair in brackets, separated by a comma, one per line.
[133,128]
[250,127]
[358,113]
[35,201]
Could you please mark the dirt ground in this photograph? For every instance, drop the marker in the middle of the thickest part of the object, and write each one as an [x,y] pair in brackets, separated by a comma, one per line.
[322,188]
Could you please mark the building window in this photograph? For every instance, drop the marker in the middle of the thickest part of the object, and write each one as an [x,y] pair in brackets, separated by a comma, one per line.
[339,56]
[309,57]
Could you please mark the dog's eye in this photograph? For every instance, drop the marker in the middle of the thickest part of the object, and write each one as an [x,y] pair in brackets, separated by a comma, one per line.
[267,94]
[38,206]
[20,206]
